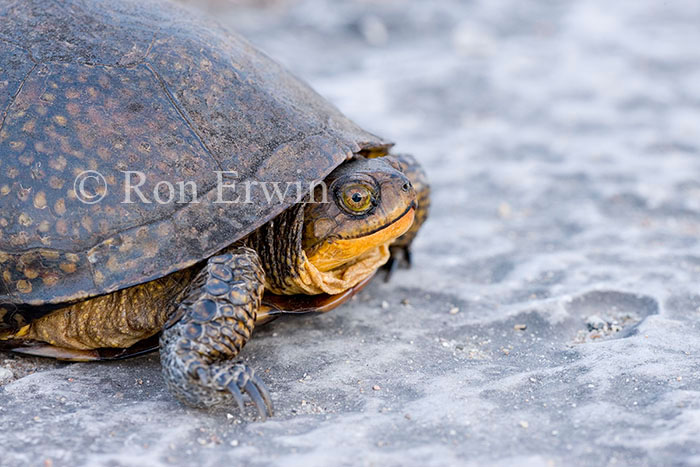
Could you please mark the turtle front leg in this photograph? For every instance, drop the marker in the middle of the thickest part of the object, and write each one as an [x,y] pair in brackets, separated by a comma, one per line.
[401,247]
[212,323]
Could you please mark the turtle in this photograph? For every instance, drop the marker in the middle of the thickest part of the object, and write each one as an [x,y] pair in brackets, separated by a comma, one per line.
[107,109]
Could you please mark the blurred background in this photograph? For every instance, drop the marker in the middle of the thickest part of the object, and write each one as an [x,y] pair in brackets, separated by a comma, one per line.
[553,313]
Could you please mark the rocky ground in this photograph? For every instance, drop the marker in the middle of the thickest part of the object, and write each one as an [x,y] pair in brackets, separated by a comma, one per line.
[553,313]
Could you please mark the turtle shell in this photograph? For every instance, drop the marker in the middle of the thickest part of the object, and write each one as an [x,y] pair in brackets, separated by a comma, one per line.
[149,87]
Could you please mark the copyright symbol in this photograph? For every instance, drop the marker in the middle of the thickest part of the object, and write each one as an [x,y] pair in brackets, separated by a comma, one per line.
[90,187]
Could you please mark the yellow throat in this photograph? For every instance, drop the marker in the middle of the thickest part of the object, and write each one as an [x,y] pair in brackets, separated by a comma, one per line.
[335,267]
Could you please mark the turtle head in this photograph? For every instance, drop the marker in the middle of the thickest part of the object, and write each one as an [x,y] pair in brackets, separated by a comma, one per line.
[367,203]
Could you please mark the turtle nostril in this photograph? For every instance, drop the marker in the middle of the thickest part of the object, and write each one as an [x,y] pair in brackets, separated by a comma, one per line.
[406,186]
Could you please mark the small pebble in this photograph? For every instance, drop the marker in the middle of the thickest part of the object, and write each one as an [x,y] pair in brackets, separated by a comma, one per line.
[595,323]
[234,442]
[376,388]
[524,424]
[504,210]
[385,305]
[520,327]
[454,310]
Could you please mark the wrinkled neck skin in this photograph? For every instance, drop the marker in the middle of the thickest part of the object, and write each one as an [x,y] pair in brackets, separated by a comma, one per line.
[288,270]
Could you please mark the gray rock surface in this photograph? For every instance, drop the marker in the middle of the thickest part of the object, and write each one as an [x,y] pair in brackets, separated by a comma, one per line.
[553,316]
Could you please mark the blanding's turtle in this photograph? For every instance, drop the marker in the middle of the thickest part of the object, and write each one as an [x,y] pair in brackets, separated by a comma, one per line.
[165,184]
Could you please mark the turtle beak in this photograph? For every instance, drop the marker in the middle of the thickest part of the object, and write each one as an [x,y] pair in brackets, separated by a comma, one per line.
[398,195]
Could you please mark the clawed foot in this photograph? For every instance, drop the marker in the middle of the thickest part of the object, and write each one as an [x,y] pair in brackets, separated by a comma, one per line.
[211,325]
[400,257]
[237,379]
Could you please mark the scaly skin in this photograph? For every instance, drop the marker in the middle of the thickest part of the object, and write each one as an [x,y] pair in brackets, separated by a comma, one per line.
[211,326]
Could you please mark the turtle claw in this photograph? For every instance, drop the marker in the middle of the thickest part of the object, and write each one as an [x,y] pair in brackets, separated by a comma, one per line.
[265,394]
[232,387]
[389,268]
[257,399]
[246,381]
[407,257]
[400,257]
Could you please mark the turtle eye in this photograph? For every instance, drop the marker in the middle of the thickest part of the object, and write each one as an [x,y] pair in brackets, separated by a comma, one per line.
[357,198]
